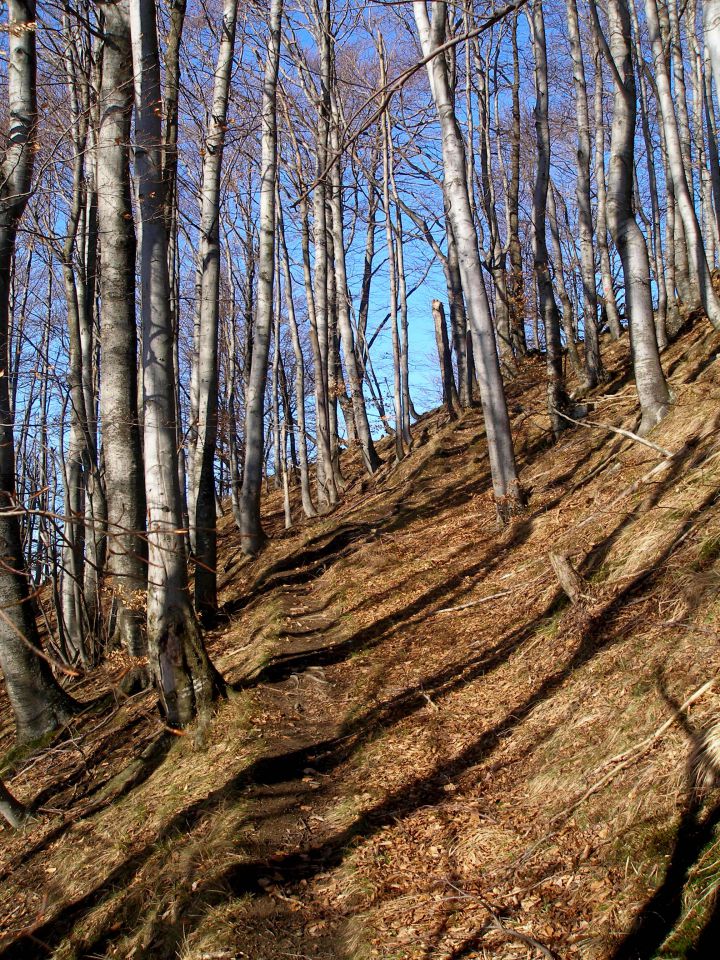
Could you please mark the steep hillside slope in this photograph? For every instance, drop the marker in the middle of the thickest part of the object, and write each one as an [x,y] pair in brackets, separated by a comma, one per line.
[429,751]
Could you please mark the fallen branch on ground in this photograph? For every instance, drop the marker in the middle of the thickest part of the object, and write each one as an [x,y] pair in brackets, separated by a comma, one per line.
[590,424]
[622,761]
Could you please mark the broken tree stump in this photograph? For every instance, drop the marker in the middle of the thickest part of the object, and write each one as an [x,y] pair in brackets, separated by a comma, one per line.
[572,583]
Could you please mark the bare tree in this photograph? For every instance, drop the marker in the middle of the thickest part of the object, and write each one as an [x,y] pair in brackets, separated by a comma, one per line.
[506,486]
[251,530]
[124,477]
[40,705]
[184,676]
[202,508]
[651,386]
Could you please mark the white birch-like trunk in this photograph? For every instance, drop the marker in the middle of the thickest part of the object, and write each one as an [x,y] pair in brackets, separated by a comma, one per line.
[251,530]
[505,482]
[203,512]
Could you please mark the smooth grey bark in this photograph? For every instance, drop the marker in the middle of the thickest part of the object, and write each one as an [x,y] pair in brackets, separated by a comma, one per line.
[661,312]
[652,389]
[185,678]
[171,100]
[392,267]
[79,455]
[38,702]
[609,301]
[251,530]
[711,29]
[557,396]
[404,340]
[712,128]
[681,173]
[458,316]
[124,476]
[202,511]
[706,217]
[505,482]
[516,283]
[593,359]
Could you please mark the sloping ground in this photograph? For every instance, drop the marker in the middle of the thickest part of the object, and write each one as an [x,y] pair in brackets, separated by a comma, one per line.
[429,751]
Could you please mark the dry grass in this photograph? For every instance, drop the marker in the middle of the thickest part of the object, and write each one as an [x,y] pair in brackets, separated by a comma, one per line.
[398,783]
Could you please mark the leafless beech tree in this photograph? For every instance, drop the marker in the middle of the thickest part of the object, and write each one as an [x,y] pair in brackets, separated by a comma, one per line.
[40,705]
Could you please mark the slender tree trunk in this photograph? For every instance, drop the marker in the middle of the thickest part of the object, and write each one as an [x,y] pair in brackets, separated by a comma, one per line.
[609,302]
[185,678]
[443,348]
[593,360]
[505,482]
[203,486]
[251,530]
[392,269]
[557,397]
[308,507]
[458,317]
[516,292]
[567,313]
[661,313]
[371,461]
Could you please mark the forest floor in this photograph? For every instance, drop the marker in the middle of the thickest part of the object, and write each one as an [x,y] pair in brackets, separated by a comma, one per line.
[429,752]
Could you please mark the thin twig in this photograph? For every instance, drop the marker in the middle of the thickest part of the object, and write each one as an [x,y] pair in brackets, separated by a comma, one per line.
[473,603]
[500,926]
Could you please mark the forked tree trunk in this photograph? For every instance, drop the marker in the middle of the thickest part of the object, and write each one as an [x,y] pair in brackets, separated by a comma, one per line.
[185,678]
[39,704]
[127,549]
[251,530]
[505,482]
[629,240]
